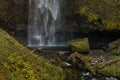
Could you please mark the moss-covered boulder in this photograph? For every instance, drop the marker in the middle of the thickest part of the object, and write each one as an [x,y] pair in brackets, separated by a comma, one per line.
[114,47]
[18,63]
[79,45]
[114,44]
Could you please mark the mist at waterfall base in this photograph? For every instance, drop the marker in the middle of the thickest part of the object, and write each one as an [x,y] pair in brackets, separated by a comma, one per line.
[44,21]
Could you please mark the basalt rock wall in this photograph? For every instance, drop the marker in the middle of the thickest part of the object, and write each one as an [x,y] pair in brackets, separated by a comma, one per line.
[14,15]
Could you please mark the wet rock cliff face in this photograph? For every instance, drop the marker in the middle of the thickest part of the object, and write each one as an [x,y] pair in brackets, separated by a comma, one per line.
[14,12]
[14,15]
[88,15]
[77,16]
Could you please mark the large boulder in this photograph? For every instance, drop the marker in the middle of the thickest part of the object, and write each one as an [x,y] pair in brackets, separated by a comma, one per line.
[79,45]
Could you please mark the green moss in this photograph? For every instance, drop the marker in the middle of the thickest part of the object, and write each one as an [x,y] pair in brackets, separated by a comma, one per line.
[112,70]
[80,45]
[84,10]
[115,47]
[18,63]
[87,12]
[114,44]
[111,25]
[18,66]
[107,11]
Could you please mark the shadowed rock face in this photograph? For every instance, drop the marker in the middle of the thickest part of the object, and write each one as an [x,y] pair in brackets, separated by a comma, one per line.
[14,14]
[14,17]
[102,15]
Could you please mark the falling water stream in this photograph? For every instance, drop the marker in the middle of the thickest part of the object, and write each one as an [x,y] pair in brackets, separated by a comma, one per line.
[43,20]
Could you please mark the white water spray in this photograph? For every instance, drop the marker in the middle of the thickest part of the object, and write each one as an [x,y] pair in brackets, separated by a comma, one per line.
[42,22]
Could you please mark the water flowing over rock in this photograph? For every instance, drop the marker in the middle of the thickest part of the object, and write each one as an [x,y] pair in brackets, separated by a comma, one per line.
[43,20]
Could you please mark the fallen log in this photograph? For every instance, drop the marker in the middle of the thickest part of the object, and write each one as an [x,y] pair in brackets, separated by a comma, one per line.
[86,64]
[110,62]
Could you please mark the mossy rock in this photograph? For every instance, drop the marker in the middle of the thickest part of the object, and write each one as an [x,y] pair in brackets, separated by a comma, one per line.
[115,47]
[18,63]
[111,70]
[114,44]
[79,45]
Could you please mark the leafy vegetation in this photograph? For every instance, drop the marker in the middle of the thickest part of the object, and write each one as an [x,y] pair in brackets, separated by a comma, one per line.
[105,11]
[18,63]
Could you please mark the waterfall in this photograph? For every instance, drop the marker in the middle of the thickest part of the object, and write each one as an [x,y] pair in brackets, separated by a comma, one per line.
[43,18]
